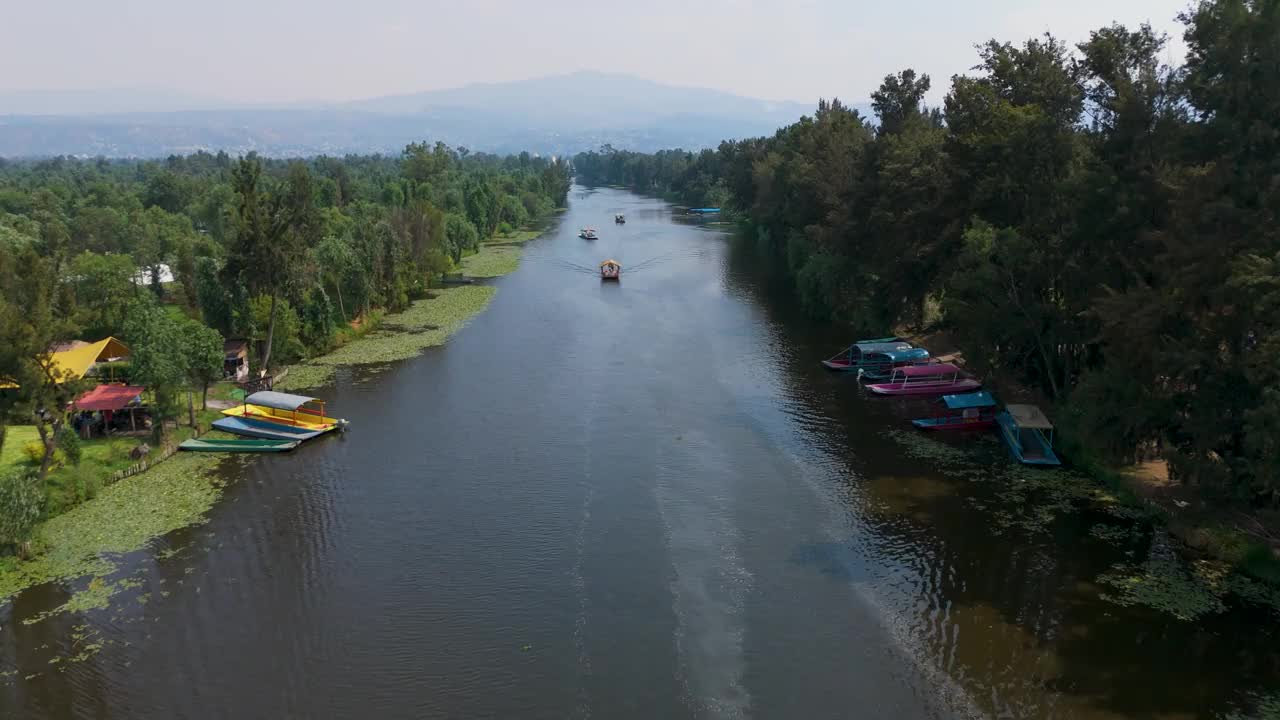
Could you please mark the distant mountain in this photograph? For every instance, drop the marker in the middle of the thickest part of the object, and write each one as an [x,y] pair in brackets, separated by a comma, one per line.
[108,100]
[560,114]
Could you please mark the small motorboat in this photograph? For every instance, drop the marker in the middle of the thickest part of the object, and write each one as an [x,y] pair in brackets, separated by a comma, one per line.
[249,427]
[970,411]
[587,233]
[620,219]
[853,357]
[610,270]
[936,379]
[1029,435]
[238,446]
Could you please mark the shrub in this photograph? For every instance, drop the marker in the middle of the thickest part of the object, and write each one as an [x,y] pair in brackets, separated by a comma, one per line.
[34,453]
[21,503]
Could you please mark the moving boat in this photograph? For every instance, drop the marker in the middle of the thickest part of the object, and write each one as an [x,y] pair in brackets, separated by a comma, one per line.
[620,219]
[963,412]
[277,408]
[1023,428]
[879,365]
[610,270]
[852,357]
[703,211]
[238,445]
[587,233]
[935,379]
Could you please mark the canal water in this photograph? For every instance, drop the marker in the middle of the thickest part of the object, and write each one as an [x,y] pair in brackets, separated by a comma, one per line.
[633,500]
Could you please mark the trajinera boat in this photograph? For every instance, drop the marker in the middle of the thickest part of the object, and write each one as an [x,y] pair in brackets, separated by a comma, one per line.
[935,379]
[880,365]
[852,357]
[282,409]
[587,233]
[962,412]
[610,270]
[258,445]
[620,219]
[1024,429]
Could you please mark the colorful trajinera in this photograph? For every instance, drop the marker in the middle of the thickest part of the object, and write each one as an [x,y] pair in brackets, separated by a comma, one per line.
[935,379]
[970,411]
[279,416]
[853,357]
[1029,435]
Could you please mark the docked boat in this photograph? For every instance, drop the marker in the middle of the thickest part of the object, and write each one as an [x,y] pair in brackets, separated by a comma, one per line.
[620,219]
[852,357]
[934,379]
[878,366]
[253,428]
[298,411]
[587,233]
[238,446]
[1029,435]
[610,270]
[970,411]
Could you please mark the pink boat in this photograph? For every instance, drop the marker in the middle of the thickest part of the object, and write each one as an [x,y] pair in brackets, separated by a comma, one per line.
[934,379]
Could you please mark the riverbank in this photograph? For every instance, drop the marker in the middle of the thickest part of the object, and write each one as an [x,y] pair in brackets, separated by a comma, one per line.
[123,517]
[1220,557]
[428,322]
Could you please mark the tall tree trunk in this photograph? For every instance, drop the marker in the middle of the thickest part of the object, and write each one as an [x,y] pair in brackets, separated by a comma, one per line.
[191,409]
[48,437]
[271,333]
[337,286]
[204,396]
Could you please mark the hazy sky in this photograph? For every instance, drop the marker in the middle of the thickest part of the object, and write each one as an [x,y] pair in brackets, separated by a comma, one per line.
[291,50]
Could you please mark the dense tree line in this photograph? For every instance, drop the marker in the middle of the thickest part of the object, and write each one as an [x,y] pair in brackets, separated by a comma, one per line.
[284,253]
[1086,218]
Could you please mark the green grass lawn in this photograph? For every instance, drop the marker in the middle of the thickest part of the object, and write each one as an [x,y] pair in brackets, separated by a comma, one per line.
[519,236]
[15,438]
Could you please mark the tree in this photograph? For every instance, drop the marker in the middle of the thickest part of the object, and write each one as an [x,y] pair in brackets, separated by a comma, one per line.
[105,292]
[158,354]
[22,501]
[272,230]
[336,260]
[898,100]
[203,347]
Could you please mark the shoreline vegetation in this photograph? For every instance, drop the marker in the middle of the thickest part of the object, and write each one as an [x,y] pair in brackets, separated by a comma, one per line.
[192,263]
[1093,229]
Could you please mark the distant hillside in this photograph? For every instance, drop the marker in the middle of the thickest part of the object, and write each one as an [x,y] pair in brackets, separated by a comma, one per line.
[562,114]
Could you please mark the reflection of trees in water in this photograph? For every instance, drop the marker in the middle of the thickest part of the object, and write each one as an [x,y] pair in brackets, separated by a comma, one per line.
[1015,618]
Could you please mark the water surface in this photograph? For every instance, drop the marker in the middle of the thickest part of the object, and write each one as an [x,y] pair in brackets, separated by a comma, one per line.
[632,500]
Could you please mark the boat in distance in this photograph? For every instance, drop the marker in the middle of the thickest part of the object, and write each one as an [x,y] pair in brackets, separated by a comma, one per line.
[610,270]
[588,233]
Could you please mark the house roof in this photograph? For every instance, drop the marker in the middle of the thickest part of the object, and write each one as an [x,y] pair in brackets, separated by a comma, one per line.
[109,397]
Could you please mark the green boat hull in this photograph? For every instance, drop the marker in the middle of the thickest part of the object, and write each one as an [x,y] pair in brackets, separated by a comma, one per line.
[238,445]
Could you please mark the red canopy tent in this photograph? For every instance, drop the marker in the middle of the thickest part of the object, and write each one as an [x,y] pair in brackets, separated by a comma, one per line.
[109,399]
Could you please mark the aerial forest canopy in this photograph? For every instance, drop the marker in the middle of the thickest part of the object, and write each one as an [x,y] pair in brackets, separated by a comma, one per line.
[1086,219]
[285,254]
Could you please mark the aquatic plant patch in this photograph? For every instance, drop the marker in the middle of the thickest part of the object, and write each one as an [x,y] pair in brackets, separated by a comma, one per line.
[492,261]
[426,323]
[122,518]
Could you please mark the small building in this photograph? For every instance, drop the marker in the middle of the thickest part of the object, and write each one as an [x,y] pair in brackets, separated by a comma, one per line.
[235,364]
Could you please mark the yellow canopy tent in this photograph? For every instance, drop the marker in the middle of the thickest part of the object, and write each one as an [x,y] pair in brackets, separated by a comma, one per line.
[74,361]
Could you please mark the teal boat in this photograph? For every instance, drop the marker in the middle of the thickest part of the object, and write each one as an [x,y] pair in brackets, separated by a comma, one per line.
[1029,435]
[238,446]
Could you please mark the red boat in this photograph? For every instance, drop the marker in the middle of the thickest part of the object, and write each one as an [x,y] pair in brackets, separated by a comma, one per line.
[971,411]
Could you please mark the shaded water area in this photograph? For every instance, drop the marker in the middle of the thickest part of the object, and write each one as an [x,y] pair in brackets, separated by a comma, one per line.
[633,500]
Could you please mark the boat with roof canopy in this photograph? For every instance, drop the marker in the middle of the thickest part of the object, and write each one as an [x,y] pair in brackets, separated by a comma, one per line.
[879,366]
[852,357]
[970,411]
[935,379]
[278,409]
[1029,435]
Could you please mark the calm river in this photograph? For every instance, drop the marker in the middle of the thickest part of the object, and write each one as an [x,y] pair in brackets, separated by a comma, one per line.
[635,500]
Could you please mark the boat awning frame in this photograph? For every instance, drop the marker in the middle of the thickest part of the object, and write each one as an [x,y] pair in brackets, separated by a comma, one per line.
[278,400]
[1029,417]
[981,399]
[927,370]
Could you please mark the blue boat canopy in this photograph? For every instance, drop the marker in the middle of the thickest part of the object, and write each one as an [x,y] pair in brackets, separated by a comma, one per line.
[278,400]
[969,400]
[872,347]
[905,355]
